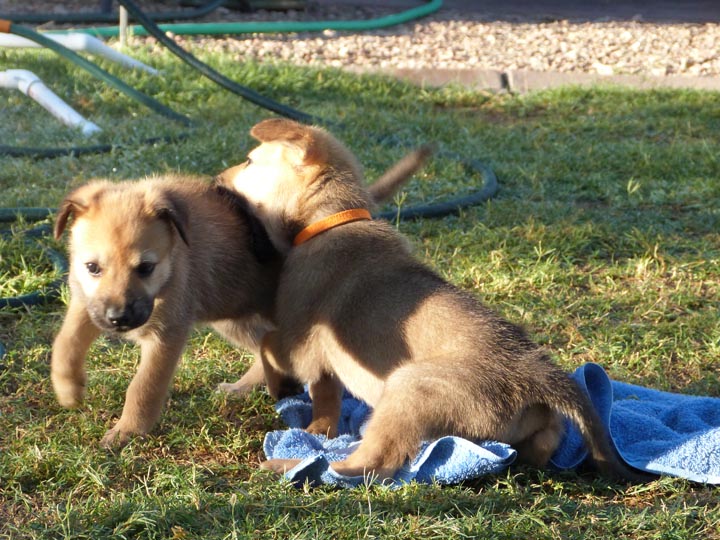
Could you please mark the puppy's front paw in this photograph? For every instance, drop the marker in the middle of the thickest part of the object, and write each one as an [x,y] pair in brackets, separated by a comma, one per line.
[279,466]
[235,389]
[323,426]
[69,393]
[116,438]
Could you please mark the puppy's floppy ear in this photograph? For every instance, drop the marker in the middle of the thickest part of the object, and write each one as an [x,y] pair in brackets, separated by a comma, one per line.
[68,208]
[175,213]
[308,139]
[278,129]
[77,203]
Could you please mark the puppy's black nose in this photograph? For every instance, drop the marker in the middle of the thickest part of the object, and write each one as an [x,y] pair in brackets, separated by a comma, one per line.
[123,318]
[118,317]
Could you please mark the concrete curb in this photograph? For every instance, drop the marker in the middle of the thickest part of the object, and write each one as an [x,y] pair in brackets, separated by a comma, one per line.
[521,81]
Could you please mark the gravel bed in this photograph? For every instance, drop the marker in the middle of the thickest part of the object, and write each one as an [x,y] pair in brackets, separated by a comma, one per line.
[454,40]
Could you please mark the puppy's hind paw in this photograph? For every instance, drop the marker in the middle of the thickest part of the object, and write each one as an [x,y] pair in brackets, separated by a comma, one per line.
[279,466]
[234,389]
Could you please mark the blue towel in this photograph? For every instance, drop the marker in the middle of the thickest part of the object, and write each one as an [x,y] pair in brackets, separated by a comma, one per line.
[654,431]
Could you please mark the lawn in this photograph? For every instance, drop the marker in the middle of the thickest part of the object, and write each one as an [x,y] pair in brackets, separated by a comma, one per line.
[603,240]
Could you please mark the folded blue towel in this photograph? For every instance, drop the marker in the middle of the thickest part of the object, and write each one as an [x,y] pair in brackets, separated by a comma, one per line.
[654,431]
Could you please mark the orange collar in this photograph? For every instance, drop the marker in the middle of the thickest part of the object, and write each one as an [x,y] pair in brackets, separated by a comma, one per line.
[330,222]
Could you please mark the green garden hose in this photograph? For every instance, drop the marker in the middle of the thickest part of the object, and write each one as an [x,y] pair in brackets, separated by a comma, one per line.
[273,26]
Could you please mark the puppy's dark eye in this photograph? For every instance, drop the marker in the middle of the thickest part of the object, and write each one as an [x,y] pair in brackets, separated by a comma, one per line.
[93,269]
[145,269]
[248,162]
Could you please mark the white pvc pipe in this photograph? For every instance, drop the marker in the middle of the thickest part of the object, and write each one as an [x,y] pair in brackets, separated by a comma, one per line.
[122,25]
[80,42]
[31,85]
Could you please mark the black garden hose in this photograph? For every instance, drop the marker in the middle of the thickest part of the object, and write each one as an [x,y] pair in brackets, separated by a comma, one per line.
[453,206]
[48,153]
[218,78]
[8,215]
[51,291]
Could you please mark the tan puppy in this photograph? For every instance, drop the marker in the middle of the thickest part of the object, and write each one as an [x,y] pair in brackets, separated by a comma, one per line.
[148,260]
[382,189]
[355,308]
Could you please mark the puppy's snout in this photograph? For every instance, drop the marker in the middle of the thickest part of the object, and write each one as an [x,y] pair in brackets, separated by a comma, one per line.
[129,316]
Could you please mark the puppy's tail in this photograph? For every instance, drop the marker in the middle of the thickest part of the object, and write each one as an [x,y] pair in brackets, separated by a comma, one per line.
[385,187]
[568,399]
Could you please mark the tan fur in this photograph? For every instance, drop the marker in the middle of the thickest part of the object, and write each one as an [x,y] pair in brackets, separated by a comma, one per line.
[204,272]
[355,306]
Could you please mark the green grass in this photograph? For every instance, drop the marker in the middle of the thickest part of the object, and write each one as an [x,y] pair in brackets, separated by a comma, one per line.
[603,240]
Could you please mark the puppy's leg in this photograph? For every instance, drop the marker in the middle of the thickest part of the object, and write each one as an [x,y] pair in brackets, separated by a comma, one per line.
[148,390]
[326,395]
[278,371]
[248,334]
[535,435]
[393,433]
[67,370]
[279,466]
[413,407]
[391,437]
[252,378]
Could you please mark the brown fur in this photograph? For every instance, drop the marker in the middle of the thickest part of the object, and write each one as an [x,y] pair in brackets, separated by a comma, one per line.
[356,308]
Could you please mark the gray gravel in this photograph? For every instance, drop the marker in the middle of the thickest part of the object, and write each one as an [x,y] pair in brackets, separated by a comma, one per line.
[454,40]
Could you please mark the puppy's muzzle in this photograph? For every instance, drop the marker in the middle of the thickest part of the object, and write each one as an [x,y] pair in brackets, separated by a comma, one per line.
[127,317]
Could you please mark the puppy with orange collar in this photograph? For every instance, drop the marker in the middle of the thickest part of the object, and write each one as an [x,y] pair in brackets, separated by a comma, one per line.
[356,309]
